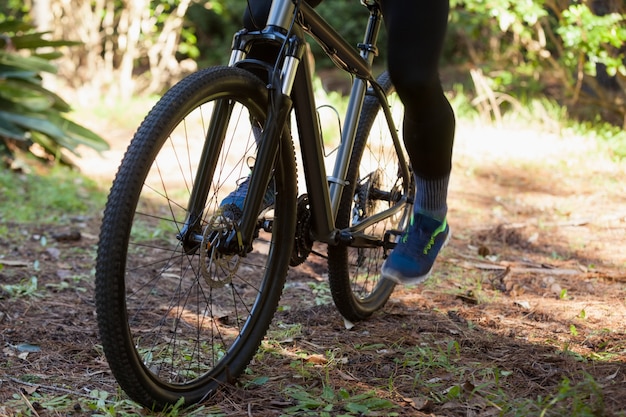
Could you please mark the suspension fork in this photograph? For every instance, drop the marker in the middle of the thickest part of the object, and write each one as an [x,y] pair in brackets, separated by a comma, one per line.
[191,234]
[268,146]
[266,160]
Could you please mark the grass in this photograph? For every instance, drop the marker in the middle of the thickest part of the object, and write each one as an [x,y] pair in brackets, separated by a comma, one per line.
[56,195]
[95,404]
[125,114]
[327,402]
[440,376]
[543,114]
[611,139]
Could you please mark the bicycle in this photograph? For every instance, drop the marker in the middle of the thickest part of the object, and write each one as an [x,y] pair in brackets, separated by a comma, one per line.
[185,293]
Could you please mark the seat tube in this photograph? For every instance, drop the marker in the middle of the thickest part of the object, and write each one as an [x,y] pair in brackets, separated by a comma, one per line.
[357,96]
[344,152]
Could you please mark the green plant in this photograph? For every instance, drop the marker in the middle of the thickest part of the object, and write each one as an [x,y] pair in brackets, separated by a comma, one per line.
[587,42]
[285,331]
[321,292]
[22,405]
[611,139]
[580,400]
[339,403]
[32,117]
[523,47]
[26,288]
[97,403]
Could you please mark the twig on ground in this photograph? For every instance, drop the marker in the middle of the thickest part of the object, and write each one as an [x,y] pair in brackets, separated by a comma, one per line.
[48,387]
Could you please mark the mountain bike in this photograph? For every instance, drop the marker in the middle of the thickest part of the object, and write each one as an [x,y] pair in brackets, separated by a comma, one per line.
[185,293]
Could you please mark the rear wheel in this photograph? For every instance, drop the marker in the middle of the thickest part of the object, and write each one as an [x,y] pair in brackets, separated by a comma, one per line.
[180,311]
[374,185]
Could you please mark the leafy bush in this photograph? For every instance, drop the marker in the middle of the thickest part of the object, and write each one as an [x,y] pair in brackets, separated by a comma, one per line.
[573,51]
[31,116]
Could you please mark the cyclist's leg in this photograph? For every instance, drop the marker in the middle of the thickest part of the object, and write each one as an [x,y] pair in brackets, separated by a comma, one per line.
[416,31]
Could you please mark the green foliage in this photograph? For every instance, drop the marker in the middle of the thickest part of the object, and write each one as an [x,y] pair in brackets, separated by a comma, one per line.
[13,8]
[611,139]
[533,31]
[349,19]
[160,11]
[582,399]
[26,288]
[30,113]
[589,39]
[214,23]
[335,403]
[525,46]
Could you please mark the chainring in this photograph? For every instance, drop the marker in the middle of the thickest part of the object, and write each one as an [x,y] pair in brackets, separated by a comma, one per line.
[303,244]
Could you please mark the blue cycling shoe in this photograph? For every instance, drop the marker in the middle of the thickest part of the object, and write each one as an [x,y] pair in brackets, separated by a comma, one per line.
[232,205]
[412,260]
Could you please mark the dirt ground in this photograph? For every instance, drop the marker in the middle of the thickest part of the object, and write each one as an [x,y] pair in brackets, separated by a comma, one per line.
[533,283]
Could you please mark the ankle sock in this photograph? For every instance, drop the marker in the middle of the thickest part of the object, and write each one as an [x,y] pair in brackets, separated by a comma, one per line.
[431,197]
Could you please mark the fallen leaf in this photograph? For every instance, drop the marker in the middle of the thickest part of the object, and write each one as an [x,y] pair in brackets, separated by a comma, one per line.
[30,389]
[349,325]
[317,359]
[421,403]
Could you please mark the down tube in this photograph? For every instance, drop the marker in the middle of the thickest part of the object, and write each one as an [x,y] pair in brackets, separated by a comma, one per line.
[312,155]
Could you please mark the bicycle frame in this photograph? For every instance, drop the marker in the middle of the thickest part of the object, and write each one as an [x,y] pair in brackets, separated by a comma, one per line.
[291,88]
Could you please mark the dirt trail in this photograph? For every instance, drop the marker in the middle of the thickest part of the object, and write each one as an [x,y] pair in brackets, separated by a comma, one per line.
[533,284]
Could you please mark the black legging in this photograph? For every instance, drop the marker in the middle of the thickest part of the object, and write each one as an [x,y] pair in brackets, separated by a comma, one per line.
[416,30]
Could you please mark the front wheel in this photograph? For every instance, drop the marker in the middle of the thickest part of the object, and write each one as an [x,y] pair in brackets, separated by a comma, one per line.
[179,311]
[375,184]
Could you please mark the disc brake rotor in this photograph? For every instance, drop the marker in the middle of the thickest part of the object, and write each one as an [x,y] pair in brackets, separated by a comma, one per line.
[217,268]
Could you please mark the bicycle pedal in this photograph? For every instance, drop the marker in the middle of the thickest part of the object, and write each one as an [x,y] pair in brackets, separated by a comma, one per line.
[389,240]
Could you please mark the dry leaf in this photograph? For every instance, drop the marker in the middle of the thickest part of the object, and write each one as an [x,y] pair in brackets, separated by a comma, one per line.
[349,325]
[317,359]
[30,389]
